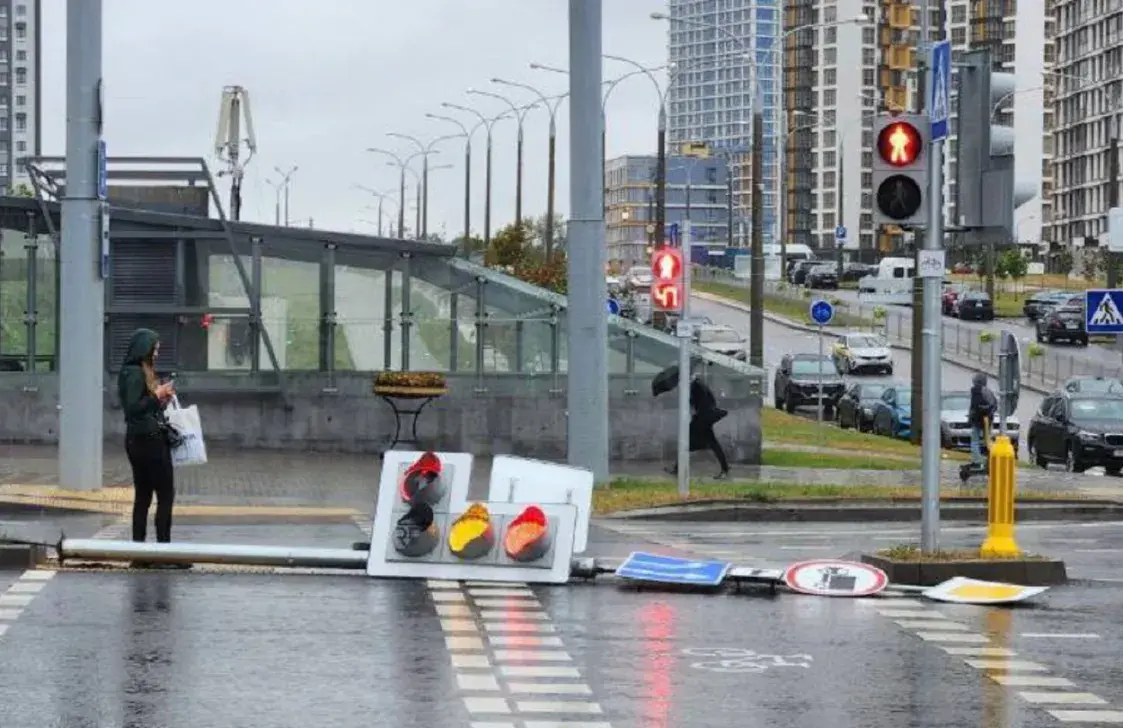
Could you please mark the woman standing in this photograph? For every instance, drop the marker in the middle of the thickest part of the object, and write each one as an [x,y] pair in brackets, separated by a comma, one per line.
[143,398]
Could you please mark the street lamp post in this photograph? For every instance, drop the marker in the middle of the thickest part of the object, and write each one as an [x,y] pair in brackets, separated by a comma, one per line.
[466,133]
[277,188]
[286,179]
[552,161]
[381,197]
[520,116]
[425,150]
[402,164]
[488,124]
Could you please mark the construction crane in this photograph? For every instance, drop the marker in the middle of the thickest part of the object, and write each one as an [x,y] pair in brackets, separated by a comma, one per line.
[228,141]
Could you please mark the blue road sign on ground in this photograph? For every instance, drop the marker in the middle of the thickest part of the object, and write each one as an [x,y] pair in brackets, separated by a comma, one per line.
[613,307]
[641,566]
[939,97]
[102,171]
[1103,311]
[822,312]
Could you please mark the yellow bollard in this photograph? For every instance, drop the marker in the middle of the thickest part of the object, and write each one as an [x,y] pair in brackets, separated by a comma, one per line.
[1000,542]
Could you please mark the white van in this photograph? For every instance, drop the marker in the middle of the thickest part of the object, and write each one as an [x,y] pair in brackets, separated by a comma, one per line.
[892,285]
[794,252]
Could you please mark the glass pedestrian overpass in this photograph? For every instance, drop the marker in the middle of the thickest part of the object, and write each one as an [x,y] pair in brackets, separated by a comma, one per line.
[257,305]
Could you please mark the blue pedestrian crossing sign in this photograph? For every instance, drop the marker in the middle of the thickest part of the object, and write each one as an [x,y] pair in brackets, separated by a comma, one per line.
[1103,311]
[939,96]
[642,566]
[822,312]
[613,307]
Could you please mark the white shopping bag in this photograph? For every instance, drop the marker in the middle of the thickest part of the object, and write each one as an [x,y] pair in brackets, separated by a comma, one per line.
[191,449]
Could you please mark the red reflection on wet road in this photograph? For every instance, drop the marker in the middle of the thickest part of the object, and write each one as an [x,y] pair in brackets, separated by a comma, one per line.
[658,621]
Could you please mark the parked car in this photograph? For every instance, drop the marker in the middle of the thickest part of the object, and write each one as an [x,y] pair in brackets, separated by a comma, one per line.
[723,340]
[1091,385]
[639,276]
[823,276]
[860,351]
[974,306]
[1063,323]
[955,432]
[798,274]
[853,272]
[1080,430]
[950,295]
[1042,301]
[798,379]
[855,408]
[892,414]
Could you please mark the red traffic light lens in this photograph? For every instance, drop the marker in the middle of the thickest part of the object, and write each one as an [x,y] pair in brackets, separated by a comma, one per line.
[421,481]
[899,144]
[666,264]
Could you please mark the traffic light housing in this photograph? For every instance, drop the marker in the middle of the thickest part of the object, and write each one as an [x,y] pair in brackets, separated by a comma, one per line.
[667,289]
[986,194]
[900,170]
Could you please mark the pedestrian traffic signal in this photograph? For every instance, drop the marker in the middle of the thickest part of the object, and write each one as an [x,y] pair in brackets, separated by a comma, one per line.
[900,170]
[528,536]
[667,291]
[206,320]
[415,533]
[421,482]
[986,193]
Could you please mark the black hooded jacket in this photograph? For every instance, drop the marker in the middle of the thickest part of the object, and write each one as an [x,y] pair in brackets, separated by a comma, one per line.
[143,412]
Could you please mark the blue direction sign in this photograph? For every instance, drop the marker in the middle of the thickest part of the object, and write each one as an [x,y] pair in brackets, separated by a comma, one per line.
[939,96]
[822,312]
[613,307]
[840,232]
[102,171]
[1103,311]
[641,566]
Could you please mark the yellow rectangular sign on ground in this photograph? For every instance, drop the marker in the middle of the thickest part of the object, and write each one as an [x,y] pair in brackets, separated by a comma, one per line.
[961,590]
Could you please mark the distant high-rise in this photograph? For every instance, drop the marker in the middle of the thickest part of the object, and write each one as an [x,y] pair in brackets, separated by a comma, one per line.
[20,77]
[711,91]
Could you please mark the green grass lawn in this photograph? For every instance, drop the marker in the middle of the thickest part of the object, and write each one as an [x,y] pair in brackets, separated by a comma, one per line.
[780,305]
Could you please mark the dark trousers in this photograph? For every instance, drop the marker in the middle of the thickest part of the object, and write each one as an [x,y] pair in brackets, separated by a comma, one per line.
[702,436]
[153,475]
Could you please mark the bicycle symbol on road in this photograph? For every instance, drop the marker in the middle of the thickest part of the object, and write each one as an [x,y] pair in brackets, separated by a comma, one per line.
[740,660]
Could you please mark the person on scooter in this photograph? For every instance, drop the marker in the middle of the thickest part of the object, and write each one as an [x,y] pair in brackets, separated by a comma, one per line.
[980,415]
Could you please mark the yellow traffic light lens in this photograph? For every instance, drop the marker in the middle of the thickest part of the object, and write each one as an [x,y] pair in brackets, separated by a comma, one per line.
[899,144]
[471,535]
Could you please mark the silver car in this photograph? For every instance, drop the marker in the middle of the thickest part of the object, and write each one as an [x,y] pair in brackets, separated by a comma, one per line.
[955,432]
[861,351]
[723,340]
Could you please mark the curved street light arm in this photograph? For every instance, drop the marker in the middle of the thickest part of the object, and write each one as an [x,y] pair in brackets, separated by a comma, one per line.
[396,157]
[551,109]
[640,68]
[519,112]
[451,120]
[412,139]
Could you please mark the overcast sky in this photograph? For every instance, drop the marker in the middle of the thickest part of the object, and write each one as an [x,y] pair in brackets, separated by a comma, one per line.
[329,79]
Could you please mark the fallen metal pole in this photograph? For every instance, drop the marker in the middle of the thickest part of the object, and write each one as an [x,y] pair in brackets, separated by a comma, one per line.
[88,549]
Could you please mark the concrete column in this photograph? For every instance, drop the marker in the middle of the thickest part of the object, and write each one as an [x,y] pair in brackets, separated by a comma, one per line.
[82,300]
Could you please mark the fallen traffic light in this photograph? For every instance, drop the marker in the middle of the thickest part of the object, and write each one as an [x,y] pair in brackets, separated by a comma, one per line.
[415,533]
[421,482]
[471,535]
[528,536]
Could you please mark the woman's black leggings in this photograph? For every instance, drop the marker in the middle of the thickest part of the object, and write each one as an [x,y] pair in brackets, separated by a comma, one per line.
[153,475]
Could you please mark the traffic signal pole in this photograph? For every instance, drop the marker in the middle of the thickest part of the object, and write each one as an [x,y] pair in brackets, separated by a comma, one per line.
[685,336]
[933,325]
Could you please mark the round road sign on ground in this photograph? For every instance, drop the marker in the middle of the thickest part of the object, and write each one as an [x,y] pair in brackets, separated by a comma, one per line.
[835,578]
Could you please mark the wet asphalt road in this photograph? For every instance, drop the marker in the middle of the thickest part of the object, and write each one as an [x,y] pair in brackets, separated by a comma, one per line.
[154,649]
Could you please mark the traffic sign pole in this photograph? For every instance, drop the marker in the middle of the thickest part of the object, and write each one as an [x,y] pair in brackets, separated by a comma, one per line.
[685,336]
[822,313]
[937,103]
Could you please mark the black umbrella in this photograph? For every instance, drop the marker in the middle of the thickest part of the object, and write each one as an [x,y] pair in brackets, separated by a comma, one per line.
[665,381]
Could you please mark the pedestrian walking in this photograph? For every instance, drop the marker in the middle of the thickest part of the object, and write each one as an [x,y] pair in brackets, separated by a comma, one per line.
[704,414]
[148,437]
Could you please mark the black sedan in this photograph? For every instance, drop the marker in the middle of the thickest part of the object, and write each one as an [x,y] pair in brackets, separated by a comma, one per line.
[1040,302]
[856,407]
[1065,323]
[974,306]
[823,276]
[1080,430]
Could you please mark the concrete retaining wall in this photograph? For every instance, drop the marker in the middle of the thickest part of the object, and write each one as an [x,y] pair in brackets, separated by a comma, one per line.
[496,414]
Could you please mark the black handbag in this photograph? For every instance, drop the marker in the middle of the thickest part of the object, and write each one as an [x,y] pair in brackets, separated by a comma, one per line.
[170,433]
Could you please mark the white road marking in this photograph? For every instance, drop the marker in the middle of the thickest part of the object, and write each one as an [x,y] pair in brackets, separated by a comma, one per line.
[1087,716]
[27,587]
[10,615]
[912,613]
[442,584]
[38,575]
[1097,551]
[538,671]
[516,615]
[1009,665]
[15,600]
[550,688]
[523,640]
[979,651]
[1032,681]
[564,724]
[476,682]
[532,656]
[472,661]
[486,705]
[447,596]
[518,627]
[453,610]
[499,592]
[464,643]
[508,603]
[458,625]
[1046,698]
[1061,635]
[559,706]
[932,625]
[952,637]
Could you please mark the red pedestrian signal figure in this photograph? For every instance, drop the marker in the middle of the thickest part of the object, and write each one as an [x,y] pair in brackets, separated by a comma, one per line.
[899,144]
[667,287]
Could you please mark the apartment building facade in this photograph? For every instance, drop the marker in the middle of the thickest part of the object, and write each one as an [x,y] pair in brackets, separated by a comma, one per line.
[720,53]
[20,84]
[1088,98]
[838,78]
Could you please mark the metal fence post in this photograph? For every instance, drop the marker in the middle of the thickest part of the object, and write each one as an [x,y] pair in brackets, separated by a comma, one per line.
[328,314]
[388,318]
[481,331]
[256,244]
[31,308]
[407,309]
[454,332]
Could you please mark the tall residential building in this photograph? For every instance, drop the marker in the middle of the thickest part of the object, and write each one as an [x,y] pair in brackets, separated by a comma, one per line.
[712,89]
[837,78]
[697,189]
[20,98]
[1089,92]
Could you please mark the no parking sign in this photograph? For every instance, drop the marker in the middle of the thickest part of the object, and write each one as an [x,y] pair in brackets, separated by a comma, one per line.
[835,578]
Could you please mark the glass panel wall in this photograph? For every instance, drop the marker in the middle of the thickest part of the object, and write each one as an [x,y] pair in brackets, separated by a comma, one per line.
[28,275]
[361,318]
